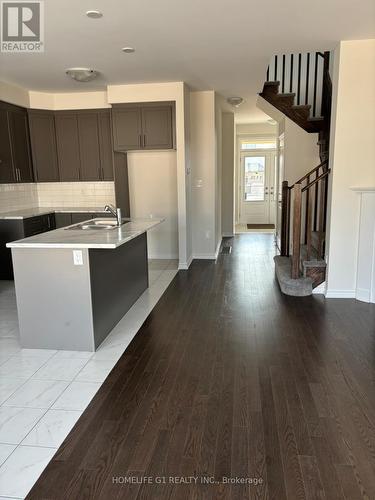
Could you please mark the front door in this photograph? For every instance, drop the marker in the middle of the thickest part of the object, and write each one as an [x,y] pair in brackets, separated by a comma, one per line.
[257,179]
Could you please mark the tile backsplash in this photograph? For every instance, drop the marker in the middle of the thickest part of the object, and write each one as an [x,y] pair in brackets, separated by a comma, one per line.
[75,194]
[18,196]
[56,194]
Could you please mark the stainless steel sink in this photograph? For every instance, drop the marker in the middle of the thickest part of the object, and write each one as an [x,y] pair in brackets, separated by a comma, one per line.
[95,224]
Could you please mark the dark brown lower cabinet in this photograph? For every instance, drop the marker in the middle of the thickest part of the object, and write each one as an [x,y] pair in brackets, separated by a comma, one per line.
[17,229]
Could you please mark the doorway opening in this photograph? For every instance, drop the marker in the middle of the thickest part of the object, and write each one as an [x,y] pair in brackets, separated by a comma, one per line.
[256,184]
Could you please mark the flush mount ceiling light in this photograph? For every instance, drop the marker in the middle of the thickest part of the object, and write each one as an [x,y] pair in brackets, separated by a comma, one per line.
[94,14]
[235,101]
[82,74]
[128,50]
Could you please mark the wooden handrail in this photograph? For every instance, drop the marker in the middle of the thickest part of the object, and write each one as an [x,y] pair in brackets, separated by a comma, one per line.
[309,173]
[321,176]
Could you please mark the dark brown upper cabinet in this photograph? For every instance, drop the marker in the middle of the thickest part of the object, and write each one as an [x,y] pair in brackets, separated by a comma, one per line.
[43,145]
[105,144]
[157,127]
[7,173]
[143,126]
[88,135]
[20,141]
[127,128]
[15,156]
[84,145]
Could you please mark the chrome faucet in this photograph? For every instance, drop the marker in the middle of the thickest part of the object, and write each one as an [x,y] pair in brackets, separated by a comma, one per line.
[116,212]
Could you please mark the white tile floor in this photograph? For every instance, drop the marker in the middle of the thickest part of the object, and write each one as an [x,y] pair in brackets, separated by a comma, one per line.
[44,392]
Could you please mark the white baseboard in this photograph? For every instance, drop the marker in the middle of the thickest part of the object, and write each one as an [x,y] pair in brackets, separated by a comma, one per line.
[321,289]
[204,256]
[184,266]
[340,294]
[363,294]
[228,235]
[163,256]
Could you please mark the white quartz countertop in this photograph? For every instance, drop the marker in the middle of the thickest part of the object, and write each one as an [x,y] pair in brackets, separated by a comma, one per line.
[89,238]
[26,213]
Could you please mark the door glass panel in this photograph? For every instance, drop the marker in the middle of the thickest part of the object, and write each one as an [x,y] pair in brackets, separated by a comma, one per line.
[254,178]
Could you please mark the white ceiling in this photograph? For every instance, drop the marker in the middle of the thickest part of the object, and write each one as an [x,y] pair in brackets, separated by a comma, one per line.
[210,44]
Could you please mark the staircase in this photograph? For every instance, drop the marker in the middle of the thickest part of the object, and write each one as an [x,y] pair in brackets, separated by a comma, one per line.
[301,265]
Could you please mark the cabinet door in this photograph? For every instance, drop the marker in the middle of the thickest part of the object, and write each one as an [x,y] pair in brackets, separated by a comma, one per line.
[105,143]
[63,220]
[88,133]
[19,133]
[127,128]
[43,146]
[67,147]
[82,217]
[157,127]
[6,164]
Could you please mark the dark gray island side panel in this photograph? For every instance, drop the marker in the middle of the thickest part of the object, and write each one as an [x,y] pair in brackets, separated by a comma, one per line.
[118,277]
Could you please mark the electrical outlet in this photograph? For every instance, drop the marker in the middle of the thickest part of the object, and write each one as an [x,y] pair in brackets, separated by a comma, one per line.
[78,257]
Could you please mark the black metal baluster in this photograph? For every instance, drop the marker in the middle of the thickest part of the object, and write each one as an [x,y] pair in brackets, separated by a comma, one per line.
[307,78]
[315,82]
[291,74]
[283,76]
[299,79]
[268,74]
[275,69]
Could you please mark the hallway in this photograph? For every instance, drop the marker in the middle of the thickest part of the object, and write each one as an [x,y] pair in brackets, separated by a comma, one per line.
[228,378]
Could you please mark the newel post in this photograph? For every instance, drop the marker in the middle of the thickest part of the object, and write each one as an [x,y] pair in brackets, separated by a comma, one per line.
[297,213]
[284,230]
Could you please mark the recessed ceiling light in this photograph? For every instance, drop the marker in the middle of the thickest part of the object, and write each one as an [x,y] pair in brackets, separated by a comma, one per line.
[128,50]
[82,74]
[94,14]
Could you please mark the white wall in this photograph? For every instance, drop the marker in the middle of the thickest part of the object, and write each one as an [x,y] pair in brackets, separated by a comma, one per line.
[14,95]
[301,151]
[179,93]
[352,158]
[203,165]
[153,193]
[228,163]
[68,100]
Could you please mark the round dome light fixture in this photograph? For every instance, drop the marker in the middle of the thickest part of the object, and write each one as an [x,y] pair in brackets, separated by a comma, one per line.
[94,14]
[235,101]
[82,74]
[128,50]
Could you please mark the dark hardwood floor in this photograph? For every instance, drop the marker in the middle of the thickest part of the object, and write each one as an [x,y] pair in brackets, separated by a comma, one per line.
[228,378]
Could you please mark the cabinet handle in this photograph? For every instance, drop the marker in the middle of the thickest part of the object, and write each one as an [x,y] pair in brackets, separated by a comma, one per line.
[19,175]
[140,140]
[144,140]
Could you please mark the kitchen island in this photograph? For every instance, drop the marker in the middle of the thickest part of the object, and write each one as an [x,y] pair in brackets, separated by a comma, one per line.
[74,285]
